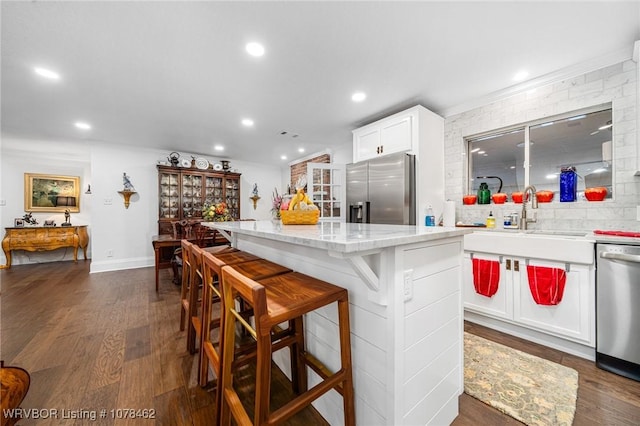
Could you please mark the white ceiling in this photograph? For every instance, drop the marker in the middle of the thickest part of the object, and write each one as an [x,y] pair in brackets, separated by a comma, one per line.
[175,75]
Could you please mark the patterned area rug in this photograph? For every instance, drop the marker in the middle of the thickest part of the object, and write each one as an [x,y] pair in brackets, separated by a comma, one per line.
[530,389]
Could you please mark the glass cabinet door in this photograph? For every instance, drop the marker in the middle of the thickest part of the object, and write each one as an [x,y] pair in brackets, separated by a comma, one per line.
[169,199]
[232,196]
[213,190]
[191,195]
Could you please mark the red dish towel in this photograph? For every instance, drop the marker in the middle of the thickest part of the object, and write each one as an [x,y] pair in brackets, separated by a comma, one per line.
[546,284]
[486,275]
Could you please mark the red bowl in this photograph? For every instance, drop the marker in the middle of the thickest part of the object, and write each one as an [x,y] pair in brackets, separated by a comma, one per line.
[469,199]
[499,198]
[544,196]
[516,197]
[597,193]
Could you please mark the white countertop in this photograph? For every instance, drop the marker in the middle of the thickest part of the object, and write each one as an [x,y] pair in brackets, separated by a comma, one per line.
[614,239]
[340,236]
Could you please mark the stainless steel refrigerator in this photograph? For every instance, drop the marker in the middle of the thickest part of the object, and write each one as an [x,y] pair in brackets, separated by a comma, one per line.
[382,190]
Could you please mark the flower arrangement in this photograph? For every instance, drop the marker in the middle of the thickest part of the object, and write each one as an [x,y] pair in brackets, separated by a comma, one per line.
[217,212]
[276,203]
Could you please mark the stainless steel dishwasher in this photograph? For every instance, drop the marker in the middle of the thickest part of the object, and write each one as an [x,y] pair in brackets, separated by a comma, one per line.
[618,309]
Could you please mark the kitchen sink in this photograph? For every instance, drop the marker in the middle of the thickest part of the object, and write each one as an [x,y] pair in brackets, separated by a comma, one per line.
[555,245]
[558,233]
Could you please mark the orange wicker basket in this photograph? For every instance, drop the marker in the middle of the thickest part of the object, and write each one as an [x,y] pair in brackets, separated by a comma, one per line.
[299,217]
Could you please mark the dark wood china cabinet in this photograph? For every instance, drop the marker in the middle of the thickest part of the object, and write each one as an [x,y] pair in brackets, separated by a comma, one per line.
[182,192]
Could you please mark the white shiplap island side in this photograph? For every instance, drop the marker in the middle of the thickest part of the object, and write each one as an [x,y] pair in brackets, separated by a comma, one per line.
[404,286]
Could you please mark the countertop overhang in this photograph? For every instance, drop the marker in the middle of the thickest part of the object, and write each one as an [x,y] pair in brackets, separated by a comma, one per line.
[340,237]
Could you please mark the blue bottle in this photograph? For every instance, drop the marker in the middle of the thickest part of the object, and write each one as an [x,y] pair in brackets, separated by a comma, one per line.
[568,184]
[430,219]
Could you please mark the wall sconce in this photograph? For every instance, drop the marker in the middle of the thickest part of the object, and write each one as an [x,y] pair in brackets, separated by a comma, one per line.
[127,197]
[128,190]
[255,197]
[88,191]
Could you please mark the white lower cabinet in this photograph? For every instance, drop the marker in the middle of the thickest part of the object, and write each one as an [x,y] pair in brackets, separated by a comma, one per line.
[500,305]
[573,318]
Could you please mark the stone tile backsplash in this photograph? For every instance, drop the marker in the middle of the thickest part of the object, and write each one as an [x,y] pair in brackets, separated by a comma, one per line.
[616,84]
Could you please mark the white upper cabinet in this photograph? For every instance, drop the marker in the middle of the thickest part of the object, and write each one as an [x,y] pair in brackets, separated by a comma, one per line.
[416,131]
[387,136]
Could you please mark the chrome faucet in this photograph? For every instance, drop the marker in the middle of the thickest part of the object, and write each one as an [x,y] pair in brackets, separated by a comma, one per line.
[524,220]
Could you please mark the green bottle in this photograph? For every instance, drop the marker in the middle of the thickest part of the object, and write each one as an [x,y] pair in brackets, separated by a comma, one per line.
[484,194]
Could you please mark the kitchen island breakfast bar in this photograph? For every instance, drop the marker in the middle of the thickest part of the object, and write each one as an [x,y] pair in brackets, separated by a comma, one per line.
[404,285]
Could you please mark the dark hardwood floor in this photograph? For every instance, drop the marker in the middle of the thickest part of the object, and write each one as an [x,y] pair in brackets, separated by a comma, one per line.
[109,341]
[603,398]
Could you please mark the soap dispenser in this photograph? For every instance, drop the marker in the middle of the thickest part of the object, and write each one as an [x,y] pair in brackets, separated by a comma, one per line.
[429,219]
[491,221]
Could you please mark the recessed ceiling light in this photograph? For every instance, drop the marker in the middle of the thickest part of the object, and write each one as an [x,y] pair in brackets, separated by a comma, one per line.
[552,176]
[520,75]
[82,125]
[218,148]
[301,150]
[358,97]
[255,49]
[247,122]
[512,167]
[283,157]
[47,73]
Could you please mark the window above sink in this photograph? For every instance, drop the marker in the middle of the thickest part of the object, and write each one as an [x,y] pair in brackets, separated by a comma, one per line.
[534,153]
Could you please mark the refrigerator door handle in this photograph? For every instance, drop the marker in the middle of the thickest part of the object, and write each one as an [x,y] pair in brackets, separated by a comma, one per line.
[367,208]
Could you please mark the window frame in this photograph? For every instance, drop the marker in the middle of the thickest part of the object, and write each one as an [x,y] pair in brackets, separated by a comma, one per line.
[526,127]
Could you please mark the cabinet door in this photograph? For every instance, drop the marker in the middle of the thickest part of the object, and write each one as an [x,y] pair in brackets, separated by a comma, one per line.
[500,305]
[213,192]
[366,143]
[573,317]
[232,195]
[169,197]
[396,136]
[192,191]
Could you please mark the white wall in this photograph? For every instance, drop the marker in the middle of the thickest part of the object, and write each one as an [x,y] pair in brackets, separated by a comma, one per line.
[48,157]
[126,232]
[616,84]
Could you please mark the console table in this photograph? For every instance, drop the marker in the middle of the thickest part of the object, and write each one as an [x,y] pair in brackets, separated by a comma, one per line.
[38,238]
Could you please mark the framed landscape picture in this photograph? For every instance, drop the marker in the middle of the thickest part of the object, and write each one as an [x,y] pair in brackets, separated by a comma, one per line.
[51,193]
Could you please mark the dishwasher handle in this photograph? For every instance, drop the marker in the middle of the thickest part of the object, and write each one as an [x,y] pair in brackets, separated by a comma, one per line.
[621,256]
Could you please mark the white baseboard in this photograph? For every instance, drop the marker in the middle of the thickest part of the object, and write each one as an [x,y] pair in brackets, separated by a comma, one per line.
[120,264]
[544,339]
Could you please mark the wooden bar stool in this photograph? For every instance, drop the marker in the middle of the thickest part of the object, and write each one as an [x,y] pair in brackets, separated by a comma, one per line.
[190,292]
[212,295]
[275,300]
[210,350]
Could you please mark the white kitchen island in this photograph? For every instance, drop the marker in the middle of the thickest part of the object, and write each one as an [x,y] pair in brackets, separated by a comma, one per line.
[404,285]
